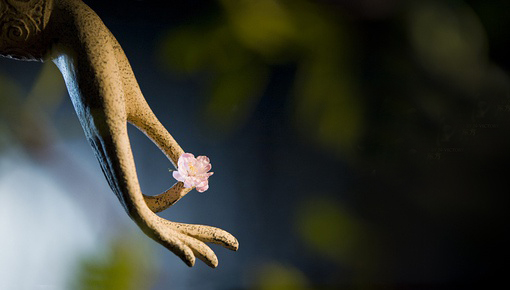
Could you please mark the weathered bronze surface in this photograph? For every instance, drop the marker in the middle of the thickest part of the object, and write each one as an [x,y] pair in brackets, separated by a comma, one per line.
[106,96]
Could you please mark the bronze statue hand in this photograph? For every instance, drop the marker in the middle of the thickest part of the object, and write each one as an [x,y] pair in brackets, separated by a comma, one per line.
[106,96]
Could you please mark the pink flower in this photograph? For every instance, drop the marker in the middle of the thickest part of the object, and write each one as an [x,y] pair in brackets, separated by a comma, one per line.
[193,171]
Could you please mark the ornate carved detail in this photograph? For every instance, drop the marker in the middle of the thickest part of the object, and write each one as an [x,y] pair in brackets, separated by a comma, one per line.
[21,26]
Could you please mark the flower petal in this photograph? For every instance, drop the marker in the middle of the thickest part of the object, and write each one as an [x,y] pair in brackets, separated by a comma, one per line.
[204,164]
[184,159]
[188,183]
[193,171]
[203,188]
[203,160]
[177,175]
[188,155]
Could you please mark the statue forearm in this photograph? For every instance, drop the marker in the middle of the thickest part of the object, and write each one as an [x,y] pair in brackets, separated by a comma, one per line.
[106,96]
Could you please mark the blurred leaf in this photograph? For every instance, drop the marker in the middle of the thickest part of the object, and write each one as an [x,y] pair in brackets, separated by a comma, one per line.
[127,264]
[185,49]
[237,78]
[238,53]
[10,95]
[48,91]
[234,96]
[27,117]
[449,41]
[263,26]
[328,107]
[329,229]
[274,276]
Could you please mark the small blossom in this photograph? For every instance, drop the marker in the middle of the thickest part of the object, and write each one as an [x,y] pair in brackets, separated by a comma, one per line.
[193,171]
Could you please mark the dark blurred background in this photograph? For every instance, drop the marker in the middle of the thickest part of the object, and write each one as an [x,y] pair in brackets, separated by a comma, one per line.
[356,144]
